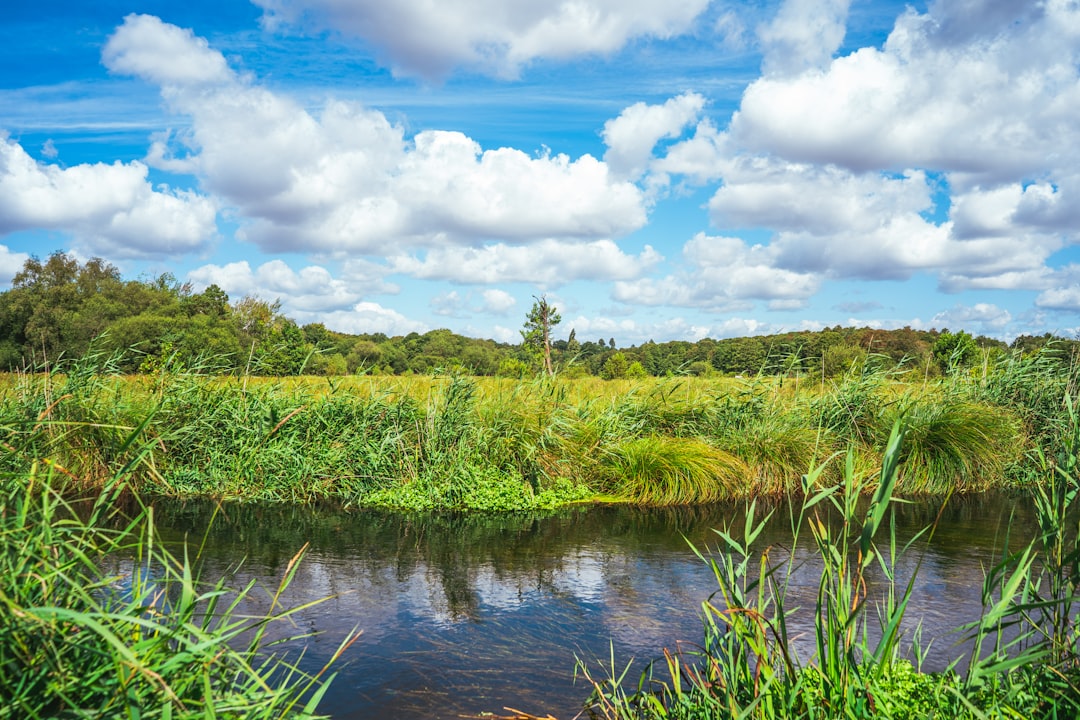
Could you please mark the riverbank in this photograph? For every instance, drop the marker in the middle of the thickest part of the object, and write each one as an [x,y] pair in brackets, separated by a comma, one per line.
[460,444]
[497,445]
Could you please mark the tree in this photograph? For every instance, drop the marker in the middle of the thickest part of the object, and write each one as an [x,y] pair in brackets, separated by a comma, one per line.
[955,350]
[615,367]
[537,333]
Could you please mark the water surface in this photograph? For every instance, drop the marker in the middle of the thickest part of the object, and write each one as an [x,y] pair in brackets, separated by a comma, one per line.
[466,614]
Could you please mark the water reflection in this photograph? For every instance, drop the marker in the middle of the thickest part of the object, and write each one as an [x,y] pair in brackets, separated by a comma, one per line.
[469,614]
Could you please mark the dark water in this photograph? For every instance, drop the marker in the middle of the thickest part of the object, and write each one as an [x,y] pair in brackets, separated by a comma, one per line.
[463,615]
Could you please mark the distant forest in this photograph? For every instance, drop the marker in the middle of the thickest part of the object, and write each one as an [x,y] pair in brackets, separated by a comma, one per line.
[60,309]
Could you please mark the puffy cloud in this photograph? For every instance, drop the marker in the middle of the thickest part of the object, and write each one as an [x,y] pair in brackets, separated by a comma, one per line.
[367,318]
[723,274]
[988,106]
[803,35]
[311,290]
[497,302]
[982,318]
[809,198]
[449,304]
[10,264]
[705,156]
[430,39]
[632,136]
[348,181]
[110,208]
[628,331]
[549,263]
[311,294]
[1060,298]
[164,54]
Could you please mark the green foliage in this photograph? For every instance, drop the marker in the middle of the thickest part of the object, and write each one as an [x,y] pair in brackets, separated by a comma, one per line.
[536,335]
[147,639]
[1024,661]
[671,471]
[615,367]
[954,444]
[955,351]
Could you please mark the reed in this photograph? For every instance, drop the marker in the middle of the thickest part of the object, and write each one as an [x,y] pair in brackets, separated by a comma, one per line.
[1025,661]
[432,440]
[671,471]
[152,640]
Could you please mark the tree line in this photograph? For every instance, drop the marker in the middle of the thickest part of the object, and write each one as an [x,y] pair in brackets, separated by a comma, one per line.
[60,309]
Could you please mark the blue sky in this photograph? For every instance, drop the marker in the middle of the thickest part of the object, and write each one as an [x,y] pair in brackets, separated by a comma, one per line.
[659,170]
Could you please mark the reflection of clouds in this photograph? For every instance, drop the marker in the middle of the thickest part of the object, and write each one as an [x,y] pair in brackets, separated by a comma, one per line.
[581,576]
[457,620]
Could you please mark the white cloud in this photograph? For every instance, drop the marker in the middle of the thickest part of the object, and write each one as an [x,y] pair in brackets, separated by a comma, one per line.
[548,263]
[628,331]
[367,318]
[505,334]
[310,290]
[983,318]
[449,304]
[632,136]
[110,208]
[427,39]
[803,35]
[723,274]
[164,54]
[348,181]
[1060,298]
[497,302]
[815,199]
[988,107]
[10,264]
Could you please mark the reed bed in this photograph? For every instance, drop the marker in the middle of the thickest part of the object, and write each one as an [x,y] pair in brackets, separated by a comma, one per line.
[457,442]
[148,639]
[1024,656]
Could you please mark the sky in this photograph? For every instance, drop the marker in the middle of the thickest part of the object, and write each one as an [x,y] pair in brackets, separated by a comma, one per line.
[657,170]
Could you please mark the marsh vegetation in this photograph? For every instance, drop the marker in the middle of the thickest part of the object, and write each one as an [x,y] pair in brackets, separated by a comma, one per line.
[170,644]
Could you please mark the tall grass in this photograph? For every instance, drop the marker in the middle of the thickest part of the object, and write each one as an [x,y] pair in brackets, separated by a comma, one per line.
[459,442]
[1024,660]
[150,641]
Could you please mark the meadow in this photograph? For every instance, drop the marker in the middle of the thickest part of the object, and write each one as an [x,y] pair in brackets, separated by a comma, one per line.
[155,640]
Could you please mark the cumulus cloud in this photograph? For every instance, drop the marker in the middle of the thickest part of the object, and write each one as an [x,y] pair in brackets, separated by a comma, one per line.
[163,54]
[723,274]
[10,264]
[803,35]
[450,304]
[111,208]
[367,317]
[982,318]
[497,302]
[310,290]
[629,331]
[987,106]
[548,263]
[429,40]
[1065,298]
[347,180]
[632,135]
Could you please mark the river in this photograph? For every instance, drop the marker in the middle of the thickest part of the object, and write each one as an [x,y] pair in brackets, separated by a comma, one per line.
[468,614]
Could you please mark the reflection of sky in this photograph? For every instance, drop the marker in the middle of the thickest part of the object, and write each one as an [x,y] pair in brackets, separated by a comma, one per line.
[479,626]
